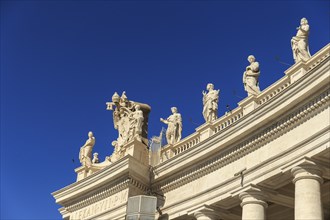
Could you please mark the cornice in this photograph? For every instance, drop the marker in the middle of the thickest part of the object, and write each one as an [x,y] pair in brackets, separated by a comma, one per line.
[294,118]
[86,181]
[122,184]
[98,195]
[125,168]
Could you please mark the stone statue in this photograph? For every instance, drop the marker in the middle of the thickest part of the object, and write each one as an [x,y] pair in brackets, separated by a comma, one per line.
[130,119]
[174,126]
[85,154]
[95,158]
[250,77]
[299,43]
[210,103]
[136,123]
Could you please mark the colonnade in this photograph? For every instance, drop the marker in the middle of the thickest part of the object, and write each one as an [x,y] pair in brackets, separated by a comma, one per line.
[307,179]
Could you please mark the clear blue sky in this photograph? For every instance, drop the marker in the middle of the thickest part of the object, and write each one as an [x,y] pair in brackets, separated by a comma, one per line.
[62,60]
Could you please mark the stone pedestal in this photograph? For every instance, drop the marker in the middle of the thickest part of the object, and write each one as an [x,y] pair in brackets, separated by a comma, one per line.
[296,71]
[136,149]
[167,153]
[307,180]
[248,104]
[206,130]
[253,204]
[82,172]
[85,171]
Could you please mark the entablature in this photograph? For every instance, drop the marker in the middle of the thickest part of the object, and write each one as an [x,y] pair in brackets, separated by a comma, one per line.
[126,171]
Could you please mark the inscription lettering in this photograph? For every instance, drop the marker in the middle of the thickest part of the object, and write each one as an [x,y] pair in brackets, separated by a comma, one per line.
[101,206]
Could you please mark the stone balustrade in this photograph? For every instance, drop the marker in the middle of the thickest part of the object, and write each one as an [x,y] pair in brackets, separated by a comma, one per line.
[172,150]
[245,106]
[228,119]
[273,90]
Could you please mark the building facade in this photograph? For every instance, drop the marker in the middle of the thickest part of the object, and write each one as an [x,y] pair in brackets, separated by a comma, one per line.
[267,159]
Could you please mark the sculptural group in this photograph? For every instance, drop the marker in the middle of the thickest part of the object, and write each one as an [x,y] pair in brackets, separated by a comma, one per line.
[131,118]
[128,119]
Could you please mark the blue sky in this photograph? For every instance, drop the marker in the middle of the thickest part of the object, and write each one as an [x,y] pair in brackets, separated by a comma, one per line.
[61,61]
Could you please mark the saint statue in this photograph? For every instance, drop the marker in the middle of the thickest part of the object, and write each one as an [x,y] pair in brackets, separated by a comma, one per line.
[136,124]
[174,126]
[299,43]
[85,154]
[251,76]
[210,103]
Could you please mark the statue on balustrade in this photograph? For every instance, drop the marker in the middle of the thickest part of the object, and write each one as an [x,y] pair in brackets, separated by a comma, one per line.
[85,154]
[174,126]
[299,43]
[130,119]
[210,103]
[251,76]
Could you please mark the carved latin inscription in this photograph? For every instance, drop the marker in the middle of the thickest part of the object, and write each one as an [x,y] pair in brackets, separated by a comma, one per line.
[101,206]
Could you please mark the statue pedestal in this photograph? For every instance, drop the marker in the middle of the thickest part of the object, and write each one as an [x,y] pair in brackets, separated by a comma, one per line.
[82,172]
[206,130]
[136,149]
[85,171]
[296,71]
[248,104]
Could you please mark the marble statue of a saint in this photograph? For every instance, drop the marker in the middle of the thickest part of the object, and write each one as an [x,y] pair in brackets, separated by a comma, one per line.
[210,103]
[136,124]
[85,154]
[174,126]
[251,76]
[299,43]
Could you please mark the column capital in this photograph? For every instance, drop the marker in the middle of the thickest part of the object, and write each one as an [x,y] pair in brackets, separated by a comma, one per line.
[307,171]
[206,213]
[253,196]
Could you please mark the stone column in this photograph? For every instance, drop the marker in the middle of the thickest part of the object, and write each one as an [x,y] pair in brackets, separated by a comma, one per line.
[307,180]
[253,204]
[206,214]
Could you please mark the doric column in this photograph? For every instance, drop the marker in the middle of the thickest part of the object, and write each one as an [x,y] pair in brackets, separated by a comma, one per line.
[206,214]
[307,180]
[253,204]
